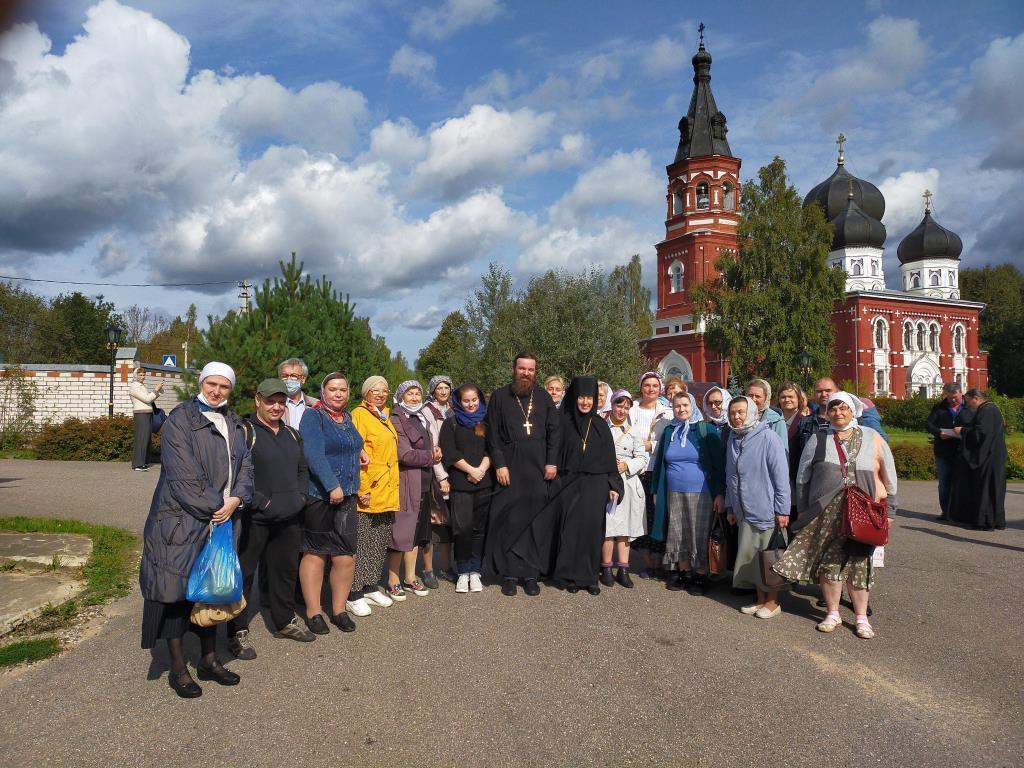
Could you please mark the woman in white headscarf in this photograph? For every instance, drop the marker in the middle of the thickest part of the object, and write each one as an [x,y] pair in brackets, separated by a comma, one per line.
[205,475]
[716,410]
[142,417]
[848,454]
[628,519]
[689,486]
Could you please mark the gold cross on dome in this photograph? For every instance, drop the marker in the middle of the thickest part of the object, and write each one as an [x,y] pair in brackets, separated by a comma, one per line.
[840,140]
[927,200]
[701,30]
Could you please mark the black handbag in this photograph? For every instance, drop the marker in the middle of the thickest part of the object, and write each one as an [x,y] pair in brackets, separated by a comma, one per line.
[159,417]
[768,557]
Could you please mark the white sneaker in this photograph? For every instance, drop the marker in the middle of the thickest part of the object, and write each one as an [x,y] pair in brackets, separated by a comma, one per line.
[378,597]
[475,585]
[462,585]
[358,607]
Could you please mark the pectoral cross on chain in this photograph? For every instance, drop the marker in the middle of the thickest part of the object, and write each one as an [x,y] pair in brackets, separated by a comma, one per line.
[527,426]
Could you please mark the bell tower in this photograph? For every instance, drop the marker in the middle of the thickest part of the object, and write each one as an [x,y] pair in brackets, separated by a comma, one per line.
[702,216]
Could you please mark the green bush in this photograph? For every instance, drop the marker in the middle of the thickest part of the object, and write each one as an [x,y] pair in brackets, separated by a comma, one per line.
[1015,465]
[904,414]
[1012,409]
[102,439]
[914,462]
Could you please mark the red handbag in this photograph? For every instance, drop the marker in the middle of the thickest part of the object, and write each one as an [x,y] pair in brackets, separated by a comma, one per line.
[864,520]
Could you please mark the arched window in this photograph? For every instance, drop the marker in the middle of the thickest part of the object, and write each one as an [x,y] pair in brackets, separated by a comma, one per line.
[703,200]
[675,277]
[933,340]
[880,382]
[728,196]
[908,337]
[935,279]
[874,268]
[858,269]
[880,333]
[915,280]
[958,339]
[951,279]
[921,334]
[678,201]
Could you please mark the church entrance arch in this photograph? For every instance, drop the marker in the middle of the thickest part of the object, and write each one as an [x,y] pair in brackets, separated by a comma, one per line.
[924,379]
[674,364]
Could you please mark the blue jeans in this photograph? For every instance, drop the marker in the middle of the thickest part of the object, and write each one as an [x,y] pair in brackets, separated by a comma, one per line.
[944,469]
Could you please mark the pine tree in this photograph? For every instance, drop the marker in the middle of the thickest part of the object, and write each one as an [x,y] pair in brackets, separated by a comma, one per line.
[627,282]
[450,352]
[295,316]
[776,294]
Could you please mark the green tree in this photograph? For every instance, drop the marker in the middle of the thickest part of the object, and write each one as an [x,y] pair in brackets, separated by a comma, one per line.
[491,315]
[80,323]
[451,352]
[776,293]
[295,316]
[627,282]
[1001,325]
[27,332]
[169,340]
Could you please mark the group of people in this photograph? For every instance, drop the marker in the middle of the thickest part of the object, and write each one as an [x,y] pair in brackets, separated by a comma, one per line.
[333,505]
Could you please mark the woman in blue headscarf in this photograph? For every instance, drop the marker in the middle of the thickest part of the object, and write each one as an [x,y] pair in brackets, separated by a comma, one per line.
[689,483]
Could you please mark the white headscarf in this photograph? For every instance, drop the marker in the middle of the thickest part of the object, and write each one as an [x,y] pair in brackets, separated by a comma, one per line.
[217,369]
[722,420]
[751,419]
[855,405]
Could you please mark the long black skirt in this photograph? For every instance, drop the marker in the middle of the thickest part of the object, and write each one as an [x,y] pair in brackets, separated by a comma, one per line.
[169,621]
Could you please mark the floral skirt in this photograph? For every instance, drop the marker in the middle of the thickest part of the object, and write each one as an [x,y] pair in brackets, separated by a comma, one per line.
[819,550]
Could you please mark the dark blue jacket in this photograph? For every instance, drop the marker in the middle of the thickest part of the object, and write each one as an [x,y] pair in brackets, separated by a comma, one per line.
[332,453]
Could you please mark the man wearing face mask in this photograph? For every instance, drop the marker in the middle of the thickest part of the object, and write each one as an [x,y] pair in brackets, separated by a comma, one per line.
[293,373]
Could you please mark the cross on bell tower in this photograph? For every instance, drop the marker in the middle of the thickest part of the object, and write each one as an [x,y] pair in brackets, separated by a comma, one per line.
[840,141]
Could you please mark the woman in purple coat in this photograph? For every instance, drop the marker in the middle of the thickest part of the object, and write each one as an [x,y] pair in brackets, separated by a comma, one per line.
[416,456]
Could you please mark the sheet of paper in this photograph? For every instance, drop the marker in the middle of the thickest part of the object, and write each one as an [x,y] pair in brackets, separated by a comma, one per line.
[949,433]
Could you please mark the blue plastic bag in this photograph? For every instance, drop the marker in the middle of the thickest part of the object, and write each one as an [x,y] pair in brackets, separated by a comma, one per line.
[216,576]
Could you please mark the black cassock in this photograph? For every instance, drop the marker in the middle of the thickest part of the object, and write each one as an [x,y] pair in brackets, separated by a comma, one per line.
[978,495]
[524,451]
[564,540]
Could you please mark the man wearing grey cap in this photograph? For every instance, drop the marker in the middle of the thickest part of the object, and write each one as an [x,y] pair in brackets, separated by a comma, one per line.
[271,530]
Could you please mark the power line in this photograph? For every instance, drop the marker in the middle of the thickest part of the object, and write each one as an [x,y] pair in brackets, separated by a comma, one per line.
[117,285]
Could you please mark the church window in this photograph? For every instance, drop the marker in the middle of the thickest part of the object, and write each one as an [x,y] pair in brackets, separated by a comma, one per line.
[677,202]
[908,337]
[933,340]
[874,267]
[934,279]
[858,269]
[675,276]
[921,333]
[880,387]
[915,280]
[703,200]
[958,339]
[951,279]
[729,196]
[880,333]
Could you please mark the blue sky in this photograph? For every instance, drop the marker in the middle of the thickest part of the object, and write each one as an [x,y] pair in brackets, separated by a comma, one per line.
[400,147]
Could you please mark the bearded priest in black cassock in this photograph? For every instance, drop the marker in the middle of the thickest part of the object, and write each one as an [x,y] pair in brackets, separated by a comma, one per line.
[978,496]
[524,427]
[568,533]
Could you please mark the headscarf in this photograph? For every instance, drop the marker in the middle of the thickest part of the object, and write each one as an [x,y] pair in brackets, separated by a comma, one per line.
[405,386]
[855,405]
[599,455]
[322,403]
[214,369]
[681,429]
[762,384]
[718,421]
[461,416]
[751,419]
[135,372]
[608,400]
[434,381]
[373,382]
[653,375]
[618,394]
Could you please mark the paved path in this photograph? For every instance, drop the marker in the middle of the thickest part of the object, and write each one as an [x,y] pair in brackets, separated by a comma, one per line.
[646,677]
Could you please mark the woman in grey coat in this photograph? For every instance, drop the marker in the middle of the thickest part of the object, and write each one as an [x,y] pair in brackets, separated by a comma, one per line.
[205,475]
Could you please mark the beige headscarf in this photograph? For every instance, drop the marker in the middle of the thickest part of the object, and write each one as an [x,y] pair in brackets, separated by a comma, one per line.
[373,382]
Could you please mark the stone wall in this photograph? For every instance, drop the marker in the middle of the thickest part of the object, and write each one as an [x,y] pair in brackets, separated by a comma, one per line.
[83,391]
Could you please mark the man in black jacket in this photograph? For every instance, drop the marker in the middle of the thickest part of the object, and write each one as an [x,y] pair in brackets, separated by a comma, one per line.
[944,416]
[271,526]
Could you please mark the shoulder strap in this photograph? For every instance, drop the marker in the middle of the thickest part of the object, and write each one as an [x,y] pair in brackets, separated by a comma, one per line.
[291,432]
[819,448]
[842,455]
[250,434]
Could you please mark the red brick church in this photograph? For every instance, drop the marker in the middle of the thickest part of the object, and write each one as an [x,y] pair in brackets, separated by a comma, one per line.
[888,342]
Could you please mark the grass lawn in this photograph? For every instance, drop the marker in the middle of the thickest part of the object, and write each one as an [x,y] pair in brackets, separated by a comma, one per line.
[913,437]
[23,651]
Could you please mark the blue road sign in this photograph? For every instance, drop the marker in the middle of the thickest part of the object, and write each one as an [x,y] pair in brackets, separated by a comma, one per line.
[171,360]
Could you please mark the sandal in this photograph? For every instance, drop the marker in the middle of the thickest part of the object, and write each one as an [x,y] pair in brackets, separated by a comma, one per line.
[864,630]
[395,592]
[830,622]
[416,587]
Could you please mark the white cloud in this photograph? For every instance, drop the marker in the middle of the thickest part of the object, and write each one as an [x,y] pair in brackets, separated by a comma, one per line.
[572,248]
[418,67]
[397,144]
[624,178]
[665,56]
[995,99]
[451,16]
[599,69]
[904,205]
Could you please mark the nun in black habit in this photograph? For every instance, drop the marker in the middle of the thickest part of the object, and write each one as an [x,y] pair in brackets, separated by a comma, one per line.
[570,529]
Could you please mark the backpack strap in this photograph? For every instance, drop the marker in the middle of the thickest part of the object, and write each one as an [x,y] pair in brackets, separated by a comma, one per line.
[820,447]
[250,433]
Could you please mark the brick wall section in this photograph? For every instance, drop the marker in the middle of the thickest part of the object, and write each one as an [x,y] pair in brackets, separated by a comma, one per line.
[83,391]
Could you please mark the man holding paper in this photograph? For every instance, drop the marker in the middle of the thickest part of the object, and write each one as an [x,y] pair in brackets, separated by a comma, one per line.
[944,417]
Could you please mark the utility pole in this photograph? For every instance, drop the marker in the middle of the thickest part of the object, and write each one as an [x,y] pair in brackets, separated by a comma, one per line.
[184,346]
[243,294]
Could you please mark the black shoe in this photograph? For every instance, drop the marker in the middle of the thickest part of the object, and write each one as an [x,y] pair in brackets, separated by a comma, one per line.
[679,583]
[317,625]
[571,588]
[508,587]
[343,622]
[217,673]
[430,580]
[622,577]
[531,587]
[699,584]
[594,589]
[189,690]
[607,578]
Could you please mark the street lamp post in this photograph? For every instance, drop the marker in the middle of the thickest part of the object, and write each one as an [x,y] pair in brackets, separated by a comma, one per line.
[113,342]
[805,360]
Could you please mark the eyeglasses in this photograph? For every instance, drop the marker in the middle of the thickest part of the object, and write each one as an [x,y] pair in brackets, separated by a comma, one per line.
[292,376]
[716,403]
[380,392]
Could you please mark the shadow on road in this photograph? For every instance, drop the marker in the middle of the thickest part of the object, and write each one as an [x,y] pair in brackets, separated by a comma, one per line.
[954,537]
[4,480]
[930,517]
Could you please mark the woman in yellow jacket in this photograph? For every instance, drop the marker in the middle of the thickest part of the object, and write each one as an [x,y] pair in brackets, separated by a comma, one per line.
[378,496]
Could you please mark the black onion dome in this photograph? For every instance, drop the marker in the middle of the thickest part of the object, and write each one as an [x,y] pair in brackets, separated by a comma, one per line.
[852,228]
[929,241]
[831,195]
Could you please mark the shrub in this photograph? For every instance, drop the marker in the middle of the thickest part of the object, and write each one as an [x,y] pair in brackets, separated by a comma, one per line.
[914,462]
[102,439]
[904,414]
[1015,464]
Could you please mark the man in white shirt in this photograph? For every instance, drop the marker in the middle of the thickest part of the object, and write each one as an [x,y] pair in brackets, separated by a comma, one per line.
[293,373]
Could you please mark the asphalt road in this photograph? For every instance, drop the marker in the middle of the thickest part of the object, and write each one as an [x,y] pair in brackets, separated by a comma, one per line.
[641,677]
